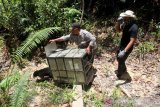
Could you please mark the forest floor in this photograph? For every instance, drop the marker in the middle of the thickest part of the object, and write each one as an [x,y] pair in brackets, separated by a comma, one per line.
[143,89]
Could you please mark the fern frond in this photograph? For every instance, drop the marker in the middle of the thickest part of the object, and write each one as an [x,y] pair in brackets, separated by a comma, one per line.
[20,95]
[10,80]
[34,39]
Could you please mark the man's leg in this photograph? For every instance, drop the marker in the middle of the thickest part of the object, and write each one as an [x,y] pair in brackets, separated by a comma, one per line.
[121,64]
[121,67]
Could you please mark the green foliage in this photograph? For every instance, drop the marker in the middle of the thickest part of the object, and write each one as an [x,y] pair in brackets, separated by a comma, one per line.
[118,100]
[33,40]
[11,16]
[17,83]
[93,100]
[20,95]
[154,29]
[146,47]
[71,13]
[24,17]
[130,103]
[10,80]
[116,93]
[1,42]
[62,96]
[6,84]
[116,39]
[47,12]
[98,50]
[1,46]
[98,102]
[53,13]
[45,84]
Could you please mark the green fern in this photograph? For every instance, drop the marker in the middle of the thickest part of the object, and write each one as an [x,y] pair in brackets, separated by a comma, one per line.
[33,40]
[10,80]
[20,95]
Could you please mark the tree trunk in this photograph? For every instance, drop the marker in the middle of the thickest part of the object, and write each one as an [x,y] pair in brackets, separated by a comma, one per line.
[82,3]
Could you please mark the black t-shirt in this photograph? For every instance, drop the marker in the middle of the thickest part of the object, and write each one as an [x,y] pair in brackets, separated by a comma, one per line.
[129,31]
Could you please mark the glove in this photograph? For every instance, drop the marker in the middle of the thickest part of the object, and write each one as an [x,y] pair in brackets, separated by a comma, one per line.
[120,20]
[121,54]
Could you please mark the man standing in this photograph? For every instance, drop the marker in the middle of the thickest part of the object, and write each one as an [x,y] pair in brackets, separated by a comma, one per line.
[82,38]
[127,24]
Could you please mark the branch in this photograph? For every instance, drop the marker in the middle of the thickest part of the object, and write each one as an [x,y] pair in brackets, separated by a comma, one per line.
[82,11]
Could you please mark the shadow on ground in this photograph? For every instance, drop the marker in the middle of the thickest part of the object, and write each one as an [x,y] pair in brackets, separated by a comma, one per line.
[126,77]
[45,74]
[86,87]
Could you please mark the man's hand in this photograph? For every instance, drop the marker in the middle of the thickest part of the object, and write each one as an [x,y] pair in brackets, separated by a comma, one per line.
[88,50]
[121,54]
[120,19]
[52,40]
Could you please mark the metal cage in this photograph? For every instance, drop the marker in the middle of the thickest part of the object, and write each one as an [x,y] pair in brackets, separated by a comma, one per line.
[69,65]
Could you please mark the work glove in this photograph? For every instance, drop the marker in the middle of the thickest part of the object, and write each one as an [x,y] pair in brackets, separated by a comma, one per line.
[121,53]
[120,20]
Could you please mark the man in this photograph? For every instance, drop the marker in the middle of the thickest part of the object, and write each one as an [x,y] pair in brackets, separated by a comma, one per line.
[127,24]
[82,38]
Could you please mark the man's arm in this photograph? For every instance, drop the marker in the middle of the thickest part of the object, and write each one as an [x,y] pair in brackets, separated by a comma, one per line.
[56,40]
[117,27]
[130,44]
[133,37]
[92,43]
[133,33]
[60,39]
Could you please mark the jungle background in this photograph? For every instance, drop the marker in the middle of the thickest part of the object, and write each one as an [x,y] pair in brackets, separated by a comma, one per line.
[26,27]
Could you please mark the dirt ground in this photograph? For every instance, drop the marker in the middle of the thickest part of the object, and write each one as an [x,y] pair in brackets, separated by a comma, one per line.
[143,87]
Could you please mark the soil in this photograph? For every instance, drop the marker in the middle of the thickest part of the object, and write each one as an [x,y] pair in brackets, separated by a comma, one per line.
[144,75]
[143,87]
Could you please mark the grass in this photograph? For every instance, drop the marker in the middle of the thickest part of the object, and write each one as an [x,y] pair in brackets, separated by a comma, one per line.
[13,89]
[62,96]
[55,95]
[118,100]
[94,99]
[1,42]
